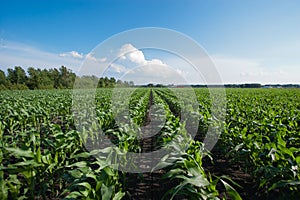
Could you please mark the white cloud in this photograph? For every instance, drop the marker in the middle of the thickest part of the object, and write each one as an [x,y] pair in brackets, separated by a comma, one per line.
[129,52]
[156,62]
[132,65]
[90,56]
[238,70]
[19,54]
[155,73]
[231,69]
[134,55]
[118,68]
[73,54]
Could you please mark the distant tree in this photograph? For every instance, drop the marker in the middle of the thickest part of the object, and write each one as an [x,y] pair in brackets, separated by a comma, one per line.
[54,75]
[119,83]
[21,75]
[101,83]
[131,83]
[87,82]
[16,75]
[39,79]
[16,78]
[32,80]
[126,84]
[112,81]
[66,77]
[3,81]
[45,79]
[251,85]
[150,85]
[159,85]
[53,79]
[11,76]
[106,82]
[2,78]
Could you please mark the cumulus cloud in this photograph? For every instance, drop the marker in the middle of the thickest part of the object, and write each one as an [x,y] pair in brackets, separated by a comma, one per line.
[129,52]
[132,65]
[134,55]
[73,54]
[155,73]
[91,56]
[118,68]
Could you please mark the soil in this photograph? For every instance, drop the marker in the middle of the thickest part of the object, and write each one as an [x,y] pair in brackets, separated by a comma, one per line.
[222,166]
[150,185]
[145,186]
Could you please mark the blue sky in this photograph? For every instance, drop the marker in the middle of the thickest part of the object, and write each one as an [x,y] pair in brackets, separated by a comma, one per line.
[249,41]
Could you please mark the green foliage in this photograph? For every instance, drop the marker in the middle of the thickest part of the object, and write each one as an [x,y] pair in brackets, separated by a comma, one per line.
[16,75]
[41,154]
[44,156]
[262,131]
[61,78]
[2,78]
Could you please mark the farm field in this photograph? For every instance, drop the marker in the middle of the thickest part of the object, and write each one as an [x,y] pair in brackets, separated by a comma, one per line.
[48,152]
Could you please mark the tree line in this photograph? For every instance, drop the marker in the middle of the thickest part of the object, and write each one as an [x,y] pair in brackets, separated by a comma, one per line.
[62,78]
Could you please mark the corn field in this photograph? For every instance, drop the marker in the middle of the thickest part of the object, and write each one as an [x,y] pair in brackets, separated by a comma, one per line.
[47,152]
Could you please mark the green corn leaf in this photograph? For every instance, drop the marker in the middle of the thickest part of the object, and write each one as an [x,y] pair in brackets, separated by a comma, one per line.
[17,152]
[161,165]
[119,195]
[231,191]
[76,173]
[106,192]
[26,163]
[80,164]
[198,181]
[73,195]
[38,155]
[284,183]
[82,155]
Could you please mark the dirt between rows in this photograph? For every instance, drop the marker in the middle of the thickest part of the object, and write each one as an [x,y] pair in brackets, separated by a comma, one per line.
[145,186]
[152,186]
